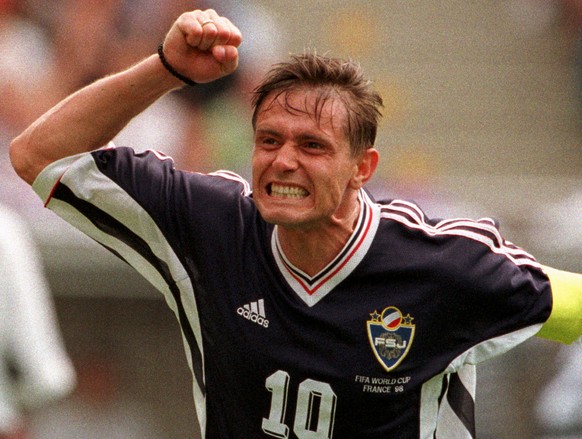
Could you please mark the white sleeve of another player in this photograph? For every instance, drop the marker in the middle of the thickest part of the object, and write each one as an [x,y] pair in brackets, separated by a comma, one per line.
[31,334]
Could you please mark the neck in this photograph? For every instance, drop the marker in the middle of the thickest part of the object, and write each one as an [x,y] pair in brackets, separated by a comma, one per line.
[311,250]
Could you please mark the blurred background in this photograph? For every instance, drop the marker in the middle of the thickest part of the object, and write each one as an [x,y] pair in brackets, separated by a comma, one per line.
[483,118]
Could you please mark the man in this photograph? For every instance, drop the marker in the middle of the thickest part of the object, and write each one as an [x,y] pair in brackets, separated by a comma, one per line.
[308,310]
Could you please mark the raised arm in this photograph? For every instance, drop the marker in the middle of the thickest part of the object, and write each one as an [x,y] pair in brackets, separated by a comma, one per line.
[200,45]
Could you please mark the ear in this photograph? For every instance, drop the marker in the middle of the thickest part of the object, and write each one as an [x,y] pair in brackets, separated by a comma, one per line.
[365,167]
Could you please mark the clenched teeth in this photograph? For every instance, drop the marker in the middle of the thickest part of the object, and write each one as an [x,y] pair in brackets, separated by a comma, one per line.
[288,191]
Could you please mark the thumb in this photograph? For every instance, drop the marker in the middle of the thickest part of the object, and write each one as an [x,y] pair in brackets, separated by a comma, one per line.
[227,56]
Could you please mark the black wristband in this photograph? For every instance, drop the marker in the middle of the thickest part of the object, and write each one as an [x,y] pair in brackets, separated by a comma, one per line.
[170,69]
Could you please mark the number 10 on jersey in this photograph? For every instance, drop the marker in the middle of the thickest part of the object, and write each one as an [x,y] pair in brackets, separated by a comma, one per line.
[307,424]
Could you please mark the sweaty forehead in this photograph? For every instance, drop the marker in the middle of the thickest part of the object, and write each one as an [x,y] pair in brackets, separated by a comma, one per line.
[324,106]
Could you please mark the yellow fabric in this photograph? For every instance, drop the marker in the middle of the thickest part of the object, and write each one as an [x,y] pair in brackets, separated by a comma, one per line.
[565,322]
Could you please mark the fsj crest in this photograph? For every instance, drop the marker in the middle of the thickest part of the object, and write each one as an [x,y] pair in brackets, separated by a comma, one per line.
[390,334]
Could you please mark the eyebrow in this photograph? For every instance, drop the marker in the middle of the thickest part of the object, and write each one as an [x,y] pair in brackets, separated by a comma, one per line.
[300,137]
[264,131]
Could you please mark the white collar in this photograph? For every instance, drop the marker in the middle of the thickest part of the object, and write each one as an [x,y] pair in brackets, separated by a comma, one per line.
[311,289]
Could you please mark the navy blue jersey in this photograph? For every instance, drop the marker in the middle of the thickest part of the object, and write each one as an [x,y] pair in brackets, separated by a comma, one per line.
[381,343]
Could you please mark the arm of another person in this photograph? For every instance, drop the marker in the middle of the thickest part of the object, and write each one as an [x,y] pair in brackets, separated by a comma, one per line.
[565,322]
[91,117]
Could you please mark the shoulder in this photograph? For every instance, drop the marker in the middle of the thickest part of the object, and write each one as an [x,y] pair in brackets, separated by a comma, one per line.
[143,175]
[124,163]
[483,233]
[460,253]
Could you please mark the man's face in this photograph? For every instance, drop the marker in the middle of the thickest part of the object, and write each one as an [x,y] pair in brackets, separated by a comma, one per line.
[303,172]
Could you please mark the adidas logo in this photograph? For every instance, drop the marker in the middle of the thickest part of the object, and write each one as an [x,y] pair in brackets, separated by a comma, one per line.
[255,312]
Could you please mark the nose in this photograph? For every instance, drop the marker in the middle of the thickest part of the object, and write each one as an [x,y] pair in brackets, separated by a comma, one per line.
[286,158]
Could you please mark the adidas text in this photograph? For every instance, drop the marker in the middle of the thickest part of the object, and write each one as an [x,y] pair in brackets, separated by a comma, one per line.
[254,312]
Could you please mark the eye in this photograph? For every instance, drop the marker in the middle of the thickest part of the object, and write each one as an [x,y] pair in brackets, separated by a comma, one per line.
[313,145]
[268,142]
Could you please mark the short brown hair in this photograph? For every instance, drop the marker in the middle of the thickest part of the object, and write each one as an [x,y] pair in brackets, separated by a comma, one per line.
[332,77]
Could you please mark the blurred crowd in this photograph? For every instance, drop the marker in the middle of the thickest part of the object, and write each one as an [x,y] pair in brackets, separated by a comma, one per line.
[566,15]
[51,49]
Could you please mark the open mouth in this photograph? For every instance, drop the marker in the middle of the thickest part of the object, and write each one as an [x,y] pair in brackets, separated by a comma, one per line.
[283,191]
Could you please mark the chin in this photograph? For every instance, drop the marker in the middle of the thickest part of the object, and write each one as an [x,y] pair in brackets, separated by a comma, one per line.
[281,219]
[288,217]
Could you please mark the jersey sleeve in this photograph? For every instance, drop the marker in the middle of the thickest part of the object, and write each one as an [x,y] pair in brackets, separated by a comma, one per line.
[507,304]
[138,206]
[565,321]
